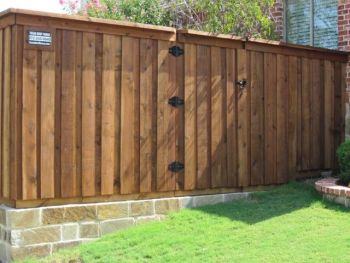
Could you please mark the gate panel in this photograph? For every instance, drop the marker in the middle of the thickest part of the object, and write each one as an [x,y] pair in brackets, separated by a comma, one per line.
[166,117]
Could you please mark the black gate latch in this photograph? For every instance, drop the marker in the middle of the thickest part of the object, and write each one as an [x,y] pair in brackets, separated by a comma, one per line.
[176,167]
[176,51]
[176,101]
[242,83]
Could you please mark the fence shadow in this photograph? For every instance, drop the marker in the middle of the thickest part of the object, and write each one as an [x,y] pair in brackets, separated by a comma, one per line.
[266,205]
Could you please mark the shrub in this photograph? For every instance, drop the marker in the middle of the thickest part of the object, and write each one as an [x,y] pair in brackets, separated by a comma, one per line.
[343,155]
[246,18]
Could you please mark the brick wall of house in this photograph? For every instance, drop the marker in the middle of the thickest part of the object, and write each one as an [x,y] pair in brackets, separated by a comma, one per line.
[277,14]
[344,32]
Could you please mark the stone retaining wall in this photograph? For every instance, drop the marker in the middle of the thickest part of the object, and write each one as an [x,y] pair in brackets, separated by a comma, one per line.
[39,232]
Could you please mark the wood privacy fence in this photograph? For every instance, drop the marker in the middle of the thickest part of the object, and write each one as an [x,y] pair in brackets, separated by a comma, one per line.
[86,115]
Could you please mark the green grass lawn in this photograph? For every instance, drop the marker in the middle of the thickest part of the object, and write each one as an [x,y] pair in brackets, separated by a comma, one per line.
[288,224]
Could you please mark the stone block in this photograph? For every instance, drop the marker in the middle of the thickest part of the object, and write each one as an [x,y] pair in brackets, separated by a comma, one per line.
[112,211]
[235,196]
[3,252]
[186,202]
[36,236]
[207,200]
[80,213]
[64,245]
[89,230]
[23,218]
[18,253]
[2,216]
[111,226]
[70,232]
[53,215]
[142,208]
[164,206]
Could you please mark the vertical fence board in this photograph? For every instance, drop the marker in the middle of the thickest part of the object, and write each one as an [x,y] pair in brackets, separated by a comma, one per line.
[306,114]
[110,119]
[1,108]
[282,119]
[6,114]
[292,115]
[257,118]
[146,105]
[329,114]
[316,148]
[203,117]
[68,112]
[29,150]
[218,155]
[78,106]
[88,115]
[180,117]
[270,95]
[243,128]
[231,97]
[166,120]
[47,125]
[16,112]
[190,117]
[128,116]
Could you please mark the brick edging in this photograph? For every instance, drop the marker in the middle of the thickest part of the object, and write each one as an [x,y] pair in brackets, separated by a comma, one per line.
[330,190]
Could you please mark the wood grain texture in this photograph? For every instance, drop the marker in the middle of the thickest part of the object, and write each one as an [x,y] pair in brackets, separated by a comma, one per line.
[306,100]
[68,118]
[129,88]
[203,117]
[270,95]
[110,118]
[166,115]
[292,115]
[328,114]
[243,126]
[88,115]
[218,120]
[6,113]
[231,118]
[282,119]
[316,108]
[190,117]
[146,110]
[257,118]
[30,122]
[47,125]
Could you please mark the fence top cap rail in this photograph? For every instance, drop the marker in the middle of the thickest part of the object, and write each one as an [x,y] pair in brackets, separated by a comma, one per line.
[259,41]
[87,19]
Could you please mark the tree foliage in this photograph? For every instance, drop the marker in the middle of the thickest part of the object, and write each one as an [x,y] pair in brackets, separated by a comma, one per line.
[246,18]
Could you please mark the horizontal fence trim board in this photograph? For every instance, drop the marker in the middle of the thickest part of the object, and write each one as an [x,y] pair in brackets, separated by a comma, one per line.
[7,20]
[88,26]
[292,51]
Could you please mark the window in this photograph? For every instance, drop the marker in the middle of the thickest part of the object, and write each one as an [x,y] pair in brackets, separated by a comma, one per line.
[312,22]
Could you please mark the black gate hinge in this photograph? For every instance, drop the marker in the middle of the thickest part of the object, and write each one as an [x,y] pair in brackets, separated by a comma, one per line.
[176,51]
[176,167]
[176,101]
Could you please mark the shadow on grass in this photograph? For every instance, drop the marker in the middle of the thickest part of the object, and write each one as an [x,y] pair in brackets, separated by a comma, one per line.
[266,205]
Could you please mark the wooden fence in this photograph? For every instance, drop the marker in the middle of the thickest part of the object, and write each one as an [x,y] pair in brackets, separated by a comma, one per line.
[86,113]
